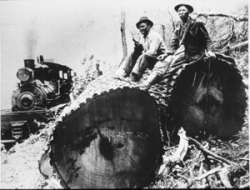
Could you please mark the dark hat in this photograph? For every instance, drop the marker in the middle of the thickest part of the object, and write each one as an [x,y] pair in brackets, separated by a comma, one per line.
[189,7]
[144,19]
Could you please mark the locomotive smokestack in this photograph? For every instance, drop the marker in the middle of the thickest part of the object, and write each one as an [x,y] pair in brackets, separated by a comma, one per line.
[30,63]
[31,42]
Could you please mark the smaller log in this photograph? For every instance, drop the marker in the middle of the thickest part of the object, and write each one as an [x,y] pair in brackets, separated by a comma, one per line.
[207,97]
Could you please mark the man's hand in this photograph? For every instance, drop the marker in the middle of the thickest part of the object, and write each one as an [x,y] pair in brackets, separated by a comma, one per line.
[137,45]
[136,42]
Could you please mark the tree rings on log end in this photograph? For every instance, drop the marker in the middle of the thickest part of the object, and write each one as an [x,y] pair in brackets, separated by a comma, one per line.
[209,96]
[112,141]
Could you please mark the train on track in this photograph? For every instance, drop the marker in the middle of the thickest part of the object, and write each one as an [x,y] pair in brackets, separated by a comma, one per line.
[42,86]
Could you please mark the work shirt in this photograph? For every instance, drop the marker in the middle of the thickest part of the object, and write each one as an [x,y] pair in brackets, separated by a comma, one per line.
[196,41]
[153,44]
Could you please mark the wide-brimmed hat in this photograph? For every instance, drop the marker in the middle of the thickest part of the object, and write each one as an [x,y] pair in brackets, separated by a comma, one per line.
[189,7]
[144,19]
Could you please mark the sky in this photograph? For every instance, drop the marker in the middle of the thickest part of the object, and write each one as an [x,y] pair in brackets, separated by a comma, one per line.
[68,30]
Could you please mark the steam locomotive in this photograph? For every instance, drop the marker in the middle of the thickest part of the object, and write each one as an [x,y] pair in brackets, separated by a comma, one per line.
[41,87]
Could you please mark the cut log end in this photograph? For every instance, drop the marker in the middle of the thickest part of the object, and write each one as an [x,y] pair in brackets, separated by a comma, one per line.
[209,96]
[112,141]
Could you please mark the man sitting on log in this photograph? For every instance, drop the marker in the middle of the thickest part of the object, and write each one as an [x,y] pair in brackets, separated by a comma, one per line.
[145,53]
[189,42]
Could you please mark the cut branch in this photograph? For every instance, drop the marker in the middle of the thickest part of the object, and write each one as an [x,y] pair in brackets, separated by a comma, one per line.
[239,45]
[239,19]
[211,153]
[163,28]
[210,172]
[224,177]
[246,159]
[179,155]
[247,185]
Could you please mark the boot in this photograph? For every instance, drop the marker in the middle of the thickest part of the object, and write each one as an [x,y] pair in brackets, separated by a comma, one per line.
[120,73]
[134,77]
[150,81]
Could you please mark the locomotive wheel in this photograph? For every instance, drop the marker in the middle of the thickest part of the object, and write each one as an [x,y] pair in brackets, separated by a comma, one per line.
[112,141]
[209,96]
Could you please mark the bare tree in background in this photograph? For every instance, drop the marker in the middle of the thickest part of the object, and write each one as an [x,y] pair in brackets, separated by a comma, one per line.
[123,35]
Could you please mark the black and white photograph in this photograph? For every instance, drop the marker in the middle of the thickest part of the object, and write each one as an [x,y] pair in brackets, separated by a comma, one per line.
[124,94]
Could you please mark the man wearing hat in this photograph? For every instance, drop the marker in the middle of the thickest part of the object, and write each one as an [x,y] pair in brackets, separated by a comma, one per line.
[190,41]
[149,46]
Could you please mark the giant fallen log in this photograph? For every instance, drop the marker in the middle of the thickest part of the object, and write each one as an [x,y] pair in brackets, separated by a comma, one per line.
[109,142]
[111,136]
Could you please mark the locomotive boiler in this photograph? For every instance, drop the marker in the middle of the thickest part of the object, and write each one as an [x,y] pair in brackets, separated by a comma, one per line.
[42,86]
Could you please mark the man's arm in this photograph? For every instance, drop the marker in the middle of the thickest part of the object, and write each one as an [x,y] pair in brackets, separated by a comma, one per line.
[174,43]
[205,34]
[154,45]
[207,41]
